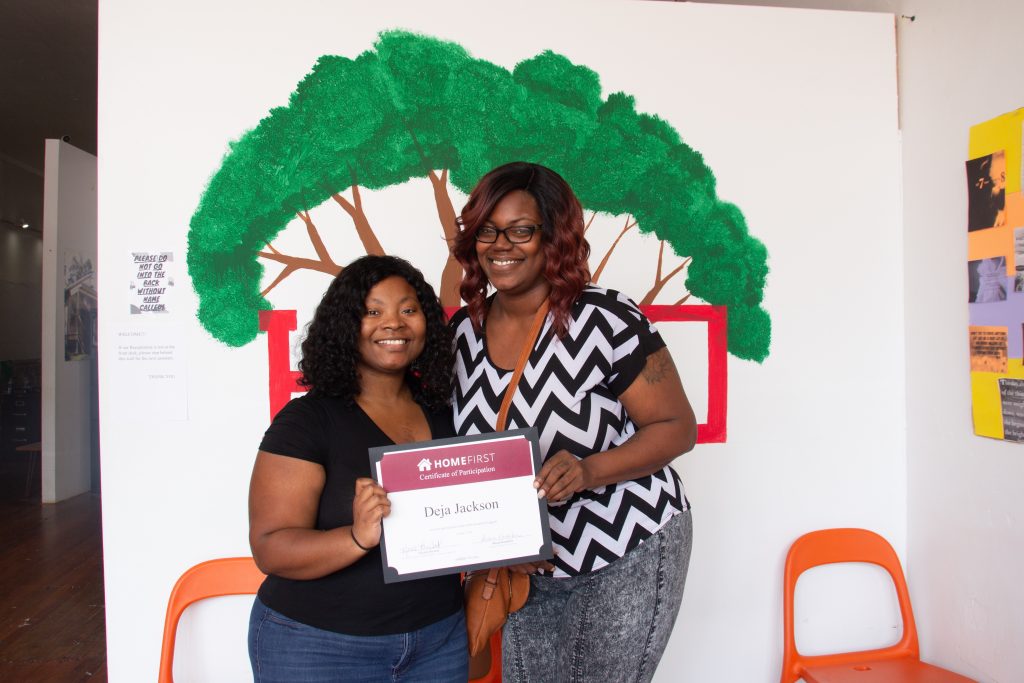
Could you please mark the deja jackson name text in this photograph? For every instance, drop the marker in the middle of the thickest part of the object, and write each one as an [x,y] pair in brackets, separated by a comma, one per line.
[460,508]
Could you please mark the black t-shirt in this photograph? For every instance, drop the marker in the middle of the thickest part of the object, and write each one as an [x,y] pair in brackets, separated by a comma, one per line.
[354,600]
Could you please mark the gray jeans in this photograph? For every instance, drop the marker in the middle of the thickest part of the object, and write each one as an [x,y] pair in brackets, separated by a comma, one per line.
[609,625]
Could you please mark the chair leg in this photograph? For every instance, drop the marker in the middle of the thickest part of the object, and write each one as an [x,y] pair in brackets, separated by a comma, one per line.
[33,470]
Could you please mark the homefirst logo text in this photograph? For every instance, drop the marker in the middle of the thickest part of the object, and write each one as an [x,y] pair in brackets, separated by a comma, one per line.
[460,466]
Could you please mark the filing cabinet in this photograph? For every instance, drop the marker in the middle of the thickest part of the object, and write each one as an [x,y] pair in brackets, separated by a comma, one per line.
[20,419]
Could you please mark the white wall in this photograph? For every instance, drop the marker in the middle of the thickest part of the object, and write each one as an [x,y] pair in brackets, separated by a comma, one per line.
[966,528]
[69,225]
[794,111]
[958,67]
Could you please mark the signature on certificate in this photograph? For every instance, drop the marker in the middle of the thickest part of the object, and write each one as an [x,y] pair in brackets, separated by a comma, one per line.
[422,548]
[498,539]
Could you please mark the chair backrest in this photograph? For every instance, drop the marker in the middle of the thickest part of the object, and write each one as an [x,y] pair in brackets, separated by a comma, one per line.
[492,662]
[210,579]
[830,546]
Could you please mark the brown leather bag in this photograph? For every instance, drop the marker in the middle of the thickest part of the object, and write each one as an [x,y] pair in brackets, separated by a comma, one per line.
[492,594]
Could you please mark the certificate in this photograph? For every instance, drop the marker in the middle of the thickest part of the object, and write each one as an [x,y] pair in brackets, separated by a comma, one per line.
[461,504]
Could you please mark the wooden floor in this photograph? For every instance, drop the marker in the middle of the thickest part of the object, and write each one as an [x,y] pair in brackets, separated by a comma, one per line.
[51,589]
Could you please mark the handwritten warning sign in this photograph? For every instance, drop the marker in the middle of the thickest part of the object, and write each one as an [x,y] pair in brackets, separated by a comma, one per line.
[151,282]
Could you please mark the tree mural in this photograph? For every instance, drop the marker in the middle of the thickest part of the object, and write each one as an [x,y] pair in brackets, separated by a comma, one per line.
[419,107]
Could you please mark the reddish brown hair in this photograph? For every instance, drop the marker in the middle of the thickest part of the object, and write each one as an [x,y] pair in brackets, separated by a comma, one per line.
[565,248]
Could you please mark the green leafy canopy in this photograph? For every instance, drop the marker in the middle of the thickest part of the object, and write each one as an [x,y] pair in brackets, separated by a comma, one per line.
[414,104]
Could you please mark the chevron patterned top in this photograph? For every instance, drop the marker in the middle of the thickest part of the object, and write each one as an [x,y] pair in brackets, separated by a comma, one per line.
[569,391]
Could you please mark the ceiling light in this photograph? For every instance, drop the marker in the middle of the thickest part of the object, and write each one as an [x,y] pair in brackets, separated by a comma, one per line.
[24,225]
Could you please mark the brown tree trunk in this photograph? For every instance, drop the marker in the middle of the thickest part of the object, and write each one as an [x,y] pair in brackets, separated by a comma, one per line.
[660,282]
[294,263]
[604,262]
[451,275]
[314,238]
[371,245]
[323,263]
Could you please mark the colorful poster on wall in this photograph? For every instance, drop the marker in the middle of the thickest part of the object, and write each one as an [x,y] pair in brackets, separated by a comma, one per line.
[995,276]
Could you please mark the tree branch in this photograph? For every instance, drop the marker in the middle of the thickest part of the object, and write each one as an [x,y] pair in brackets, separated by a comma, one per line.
[314,237]
[608,255]
[451,275]
[288,270]
[660,282]
[368,238]
[294,263]
[323,262]
[419,150]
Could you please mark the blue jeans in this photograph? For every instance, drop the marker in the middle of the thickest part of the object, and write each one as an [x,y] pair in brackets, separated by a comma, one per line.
[609,625]
[282,650]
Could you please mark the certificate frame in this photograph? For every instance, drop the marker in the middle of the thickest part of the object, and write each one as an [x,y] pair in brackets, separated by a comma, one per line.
[488,465]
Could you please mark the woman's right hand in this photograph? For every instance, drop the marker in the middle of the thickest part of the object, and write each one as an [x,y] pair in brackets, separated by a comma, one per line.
[369,507]
[284,497]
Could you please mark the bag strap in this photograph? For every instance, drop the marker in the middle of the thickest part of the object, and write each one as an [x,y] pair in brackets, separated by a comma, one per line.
[491,584]
[524,355]
[491,578]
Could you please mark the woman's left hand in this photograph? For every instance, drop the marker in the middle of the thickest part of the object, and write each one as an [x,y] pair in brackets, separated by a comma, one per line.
[562,475]
[665,428]
[531,567]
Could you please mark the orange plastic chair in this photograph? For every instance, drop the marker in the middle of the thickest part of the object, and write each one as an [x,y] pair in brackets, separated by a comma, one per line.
[240,576]
[210,579]
[493,674]
[899,663]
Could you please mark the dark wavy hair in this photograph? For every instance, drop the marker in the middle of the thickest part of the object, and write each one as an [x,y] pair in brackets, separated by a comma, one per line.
[330,351]
[565,248]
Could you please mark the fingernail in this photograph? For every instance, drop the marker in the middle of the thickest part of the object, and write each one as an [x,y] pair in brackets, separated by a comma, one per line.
[540,494]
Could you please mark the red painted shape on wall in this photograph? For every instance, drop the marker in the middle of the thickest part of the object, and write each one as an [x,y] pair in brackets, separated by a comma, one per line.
[284,381]
[712,431]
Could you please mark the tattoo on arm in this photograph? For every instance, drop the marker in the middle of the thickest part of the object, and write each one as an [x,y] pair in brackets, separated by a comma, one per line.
[658,366]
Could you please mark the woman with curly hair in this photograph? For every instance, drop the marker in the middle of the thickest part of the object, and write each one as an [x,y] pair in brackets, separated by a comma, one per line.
[605,397]
[377,360]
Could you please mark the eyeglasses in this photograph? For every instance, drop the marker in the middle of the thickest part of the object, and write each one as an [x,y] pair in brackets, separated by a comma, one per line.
[516,234]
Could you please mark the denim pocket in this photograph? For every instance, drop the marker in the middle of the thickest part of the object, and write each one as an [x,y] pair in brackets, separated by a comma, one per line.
[282,620]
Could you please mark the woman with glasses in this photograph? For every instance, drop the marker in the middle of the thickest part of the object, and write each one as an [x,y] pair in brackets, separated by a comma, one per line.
[604,394]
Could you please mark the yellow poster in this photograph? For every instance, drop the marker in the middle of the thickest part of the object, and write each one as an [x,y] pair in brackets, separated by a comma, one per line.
[995,276]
